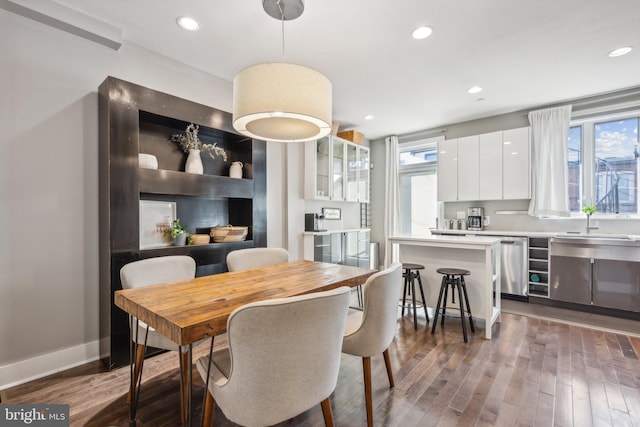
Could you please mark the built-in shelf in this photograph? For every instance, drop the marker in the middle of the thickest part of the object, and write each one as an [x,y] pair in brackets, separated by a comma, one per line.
[156,181]
[538,266]
[136,120]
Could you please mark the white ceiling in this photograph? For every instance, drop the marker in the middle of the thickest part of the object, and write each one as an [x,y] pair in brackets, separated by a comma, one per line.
[524,53]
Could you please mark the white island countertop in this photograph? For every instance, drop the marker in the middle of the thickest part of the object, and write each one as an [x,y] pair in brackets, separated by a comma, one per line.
[442,240]
[478,254]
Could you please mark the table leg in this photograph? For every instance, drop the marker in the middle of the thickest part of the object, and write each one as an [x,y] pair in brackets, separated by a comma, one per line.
[206,418]
[135,369]
[3,397]
[185,386]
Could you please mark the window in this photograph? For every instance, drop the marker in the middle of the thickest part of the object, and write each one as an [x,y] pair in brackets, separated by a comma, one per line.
[418,186]
[603,164]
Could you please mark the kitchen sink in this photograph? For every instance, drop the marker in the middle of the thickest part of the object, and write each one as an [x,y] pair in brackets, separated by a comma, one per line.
[597,245]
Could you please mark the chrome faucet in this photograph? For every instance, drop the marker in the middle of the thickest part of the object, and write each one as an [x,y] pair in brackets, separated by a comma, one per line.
[589,226]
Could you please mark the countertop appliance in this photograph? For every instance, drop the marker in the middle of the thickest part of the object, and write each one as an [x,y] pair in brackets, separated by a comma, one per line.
[314,222]
[474,219]
[513,273]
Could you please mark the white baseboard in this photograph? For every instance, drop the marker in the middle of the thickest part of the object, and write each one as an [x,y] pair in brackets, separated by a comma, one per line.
[40,366]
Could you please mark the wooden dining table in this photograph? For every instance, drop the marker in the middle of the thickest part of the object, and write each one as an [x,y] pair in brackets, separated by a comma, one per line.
[187,311]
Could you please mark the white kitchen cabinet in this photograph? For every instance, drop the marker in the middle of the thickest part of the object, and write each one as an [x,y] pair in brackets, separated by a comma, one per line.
[336,169]
[324,169]
[352,173]
[318,160]
[490,166]
[363,174]
[448,170]
[516,166]
[357,173]
[469,168]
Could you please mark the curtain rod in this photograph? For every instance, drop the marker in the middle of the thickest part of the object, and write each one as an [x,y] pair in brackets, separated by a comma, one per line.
[407,137]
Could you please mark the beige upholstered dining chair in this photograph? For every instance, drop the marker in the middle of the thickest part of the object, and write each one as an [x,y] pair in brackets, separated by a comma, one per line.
[243,259]
[371,331]
[150,272]
[283,358]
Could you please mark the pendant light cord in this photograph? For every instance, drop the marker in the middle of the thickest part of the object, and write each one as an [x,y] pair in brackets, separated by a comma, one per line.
[281,7]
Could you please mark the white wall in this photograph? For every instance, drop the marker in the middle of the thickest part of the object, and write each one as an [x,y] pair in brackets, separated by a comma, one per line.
[49,185]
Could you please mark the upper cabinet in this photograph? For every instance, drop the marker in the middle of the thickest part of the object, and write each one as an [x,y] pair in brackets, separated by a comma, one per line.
[491,166]
[336,170]
[448,170]
[516,164]
[468,167]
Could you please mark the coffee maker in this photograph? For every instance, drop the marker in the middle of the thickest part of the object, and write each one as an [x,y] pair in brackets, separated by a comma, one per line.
[474,219]
[314,222]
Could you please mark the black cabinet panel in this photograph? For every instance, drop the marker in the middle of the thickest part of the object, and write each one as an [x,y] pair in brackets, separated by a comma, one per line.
[134,120]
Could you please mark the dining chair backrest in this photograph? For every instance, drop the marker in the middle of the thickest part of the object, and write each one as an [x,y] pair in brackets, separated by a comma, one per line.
[285,356]
[152,271]
[380,314]
[243,259]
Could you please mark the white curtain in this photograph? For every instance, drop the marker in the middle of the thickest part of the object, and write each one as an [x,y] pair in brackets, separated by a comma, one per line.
[549,169]
[391,193]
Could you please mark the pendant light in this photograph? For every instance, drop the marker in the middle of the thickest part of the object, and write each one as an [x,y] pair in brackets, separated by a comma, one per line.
[278,101]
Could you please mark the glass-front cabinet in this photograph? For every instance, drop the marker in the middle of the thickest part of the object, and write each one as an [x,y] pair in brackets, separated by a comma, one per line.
[341,170]
[337,183]
[352,173]
[336,170]
[363,174]
[323,162]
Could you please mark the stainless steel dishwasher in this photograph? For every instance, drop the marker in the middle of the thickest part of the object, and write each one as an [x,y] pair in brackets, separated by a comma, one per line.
[513,267]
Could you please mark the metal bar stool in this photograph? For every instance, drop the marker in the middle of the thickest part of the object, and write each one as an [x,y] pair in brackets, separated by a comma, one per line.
[453,277]
[412,272]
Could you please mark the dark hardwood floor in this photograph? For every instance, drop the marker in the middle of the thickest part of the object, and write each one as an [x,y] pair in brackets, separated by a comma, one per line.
[534,372]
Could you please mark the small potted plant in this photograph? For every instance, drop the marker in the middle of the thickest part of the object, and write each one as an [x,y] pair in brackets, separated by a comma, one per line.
[177,232]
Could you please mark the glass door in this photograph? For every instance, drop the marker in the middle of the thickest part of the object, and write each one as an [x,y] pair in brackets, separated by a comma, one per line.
[363,175]
[352,173]
[323,147]
[338,166]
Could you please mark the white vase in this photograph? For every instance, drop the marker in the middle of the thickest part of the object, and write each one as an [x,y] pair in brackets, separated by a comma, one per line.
[194,163]
[235,171]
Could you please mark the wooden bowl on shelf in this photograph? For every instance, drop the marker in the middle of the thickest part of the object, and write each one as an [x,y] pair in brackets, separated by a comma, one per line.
[200,239]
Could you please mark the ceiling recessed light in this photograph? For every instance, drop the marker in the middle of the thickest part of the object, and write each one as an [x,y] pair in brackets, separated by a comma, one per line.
[369,117]
[187,23]
[421,33]
[620,51]
[475,89]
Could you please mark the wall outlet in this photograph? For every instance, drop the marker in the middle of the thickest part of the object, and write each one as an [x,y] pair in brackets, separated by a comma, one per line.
[461,215]
[486,220]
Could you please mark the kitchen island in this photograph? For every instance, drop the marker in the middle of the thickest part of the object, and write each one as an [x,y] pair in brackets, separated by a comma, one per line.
[479,255]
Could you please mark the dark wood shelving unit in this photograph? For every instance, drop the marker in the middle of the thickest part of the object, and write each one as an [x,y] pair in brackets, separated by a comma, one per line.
[134,120]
